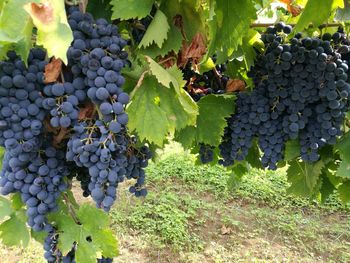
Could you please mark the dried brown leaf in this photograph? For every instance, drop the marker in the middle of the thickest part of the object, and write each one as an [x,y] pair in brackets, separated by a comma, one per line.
[235,85]
[193,52]
[87,111]
[53,70]
[42,11]
[62,134]
[295,10]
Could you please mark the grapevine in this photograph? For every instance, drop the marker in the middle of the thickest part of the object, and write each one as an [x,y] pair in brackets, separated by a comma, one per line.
[87,97]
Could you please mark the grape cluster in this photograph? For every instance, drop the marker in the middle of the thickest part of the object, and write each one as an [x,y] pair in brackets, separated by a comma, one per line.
[211,82]
[85,109]
[101,144]
[301,92]
[31,165]
[206,153]
[62,100]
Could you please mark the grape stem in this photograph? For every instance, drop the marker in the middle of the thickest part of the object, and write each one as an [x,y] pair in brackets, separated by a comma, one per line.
[71,209]
[139,83]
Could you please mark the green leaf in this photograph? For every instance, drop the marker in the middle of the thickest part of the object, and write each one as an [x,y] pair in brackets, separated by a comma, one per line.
[107,242]
[92,218]
[38,236]
[5,207]
[24,45]
[172,43]
[86,252]
[164,109]
[344,192]
[17,201]
[18,28]
[126,9]
[343,146]
[211,121]
[14,232]
[92,236]
[253,157]
[178,116]
[344,169]
[69,231]
[164,77]
[230,24]
[303,177]
[54,32]
[186,136]
[292,150]
[157,31]
[191,12]
[327,188]
[100,8]
[152,124]
[316,12]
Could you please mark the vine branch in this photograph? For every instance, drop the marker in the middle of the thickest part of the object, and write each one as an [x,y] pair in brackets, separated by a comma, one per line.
[272,24]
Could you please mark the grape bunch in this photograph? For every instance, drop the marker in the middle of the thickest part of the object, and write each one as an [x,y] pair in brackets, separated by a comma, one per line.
[206,153]
[72,128]
[101,143]
[31,165]
[211,82]
[301,92]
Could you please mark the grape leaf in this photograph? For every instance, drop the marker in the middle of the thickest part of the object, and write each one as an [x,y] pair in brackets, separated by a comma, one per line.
[100,8]
[230,24]
[172,43]
[163,76]
[5,208]
[344,192]
[168,109]
[54,33]
[292,150]
[188,14]
[327,188]
[126,9]
[92,218]
[18,29]
[316,12]
[92,235]
[213,110]
[253,157]
[153,123]
[17,202]
[86,252]
[344,169]
[343,147]
[69,230]
[107,242]
[38,236]
[186,136]
[157,31]
[303,177]
[23,46]
[210,124]
[14,231]
[178,116]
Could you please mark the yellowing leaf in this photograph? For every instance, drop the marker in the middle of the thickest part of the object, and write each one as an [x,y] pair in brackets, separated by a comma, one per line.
[54,33]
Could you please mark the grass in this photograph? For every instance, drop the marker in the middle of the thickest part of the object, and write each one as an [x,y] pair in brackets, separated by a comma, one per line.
[192,215]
